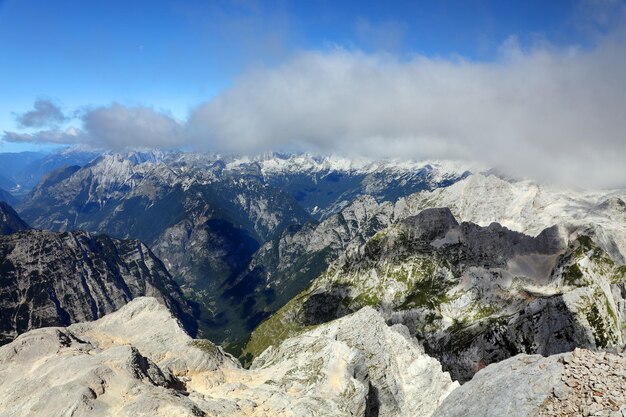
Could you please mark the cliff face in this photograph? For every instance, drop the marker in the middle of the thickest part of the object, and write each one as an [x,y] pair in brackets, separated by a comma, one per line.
[55,279]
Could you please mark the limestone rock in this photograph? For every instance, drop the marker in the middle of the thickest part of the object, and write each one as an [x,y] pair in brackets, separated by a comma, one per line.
[581,382]
[55,279]
[139,362]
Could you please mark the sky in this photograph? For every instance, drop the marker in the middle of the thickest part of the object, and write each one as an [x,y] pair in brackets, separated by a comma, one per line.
[535,88]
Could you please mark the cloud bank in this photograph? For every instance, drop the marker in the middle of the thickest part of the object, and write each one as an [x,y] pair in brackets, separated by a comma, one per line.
[547,113]
[550,114]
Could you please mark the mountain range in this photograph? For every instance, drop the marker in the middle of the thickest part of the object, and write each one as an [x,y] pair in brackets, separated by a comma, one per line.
[347,287]
[206,216]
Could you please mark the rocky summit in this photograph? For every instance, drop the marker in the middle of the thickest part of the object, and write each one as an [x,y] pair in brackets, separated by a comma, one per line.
[138,361]
[579,383]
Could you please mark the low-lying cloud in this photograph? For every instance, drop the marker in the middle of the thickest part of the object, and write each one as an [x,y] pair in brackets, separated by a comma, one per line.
[119,126]
[548,113]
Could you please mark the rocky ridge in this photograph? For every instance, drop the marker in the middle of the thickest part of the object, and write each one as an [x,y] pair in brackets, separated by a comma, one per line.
[528,207]
[138,361]
[10,221]
[474,295]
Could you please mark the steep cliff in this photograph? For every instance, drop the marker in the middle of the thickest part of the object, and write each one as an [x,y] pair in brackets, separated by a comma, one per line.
[55,279]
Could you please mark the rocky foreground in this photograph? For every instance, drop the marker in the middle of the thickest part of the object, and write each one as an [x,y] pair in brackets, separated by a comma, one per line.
[138,361]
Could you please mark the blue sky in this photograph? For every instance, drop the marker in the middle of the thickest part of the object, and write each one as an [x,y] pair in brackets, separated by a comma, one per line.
[173,55]
[534,88]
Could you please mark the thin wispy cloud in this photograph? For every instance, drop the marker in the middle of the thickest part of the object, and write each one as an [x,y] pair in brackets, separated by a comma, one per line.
[69,136]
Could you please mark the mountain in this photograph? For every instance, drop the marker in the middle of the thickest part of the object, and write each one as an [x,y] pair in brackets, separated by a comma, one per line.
[286,265]
[20,172]
[325,185]
[473,295]
[529,208]
[138,361]
[55,279]
[206,216]
[10,221]
[6,197]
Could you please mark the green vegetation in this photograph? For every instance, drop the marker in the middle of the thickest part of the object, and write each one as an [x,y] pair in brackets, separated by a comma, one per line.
[619,275]
[428,289]
[603,332]
[366,299]
[573,276]
[484,311]
[205,346]
[271,332]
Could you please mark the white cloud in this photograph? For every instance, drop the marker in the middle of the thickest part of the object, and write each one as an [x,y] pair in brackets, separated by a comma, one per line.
[548,113]
[68,136]
[117,126]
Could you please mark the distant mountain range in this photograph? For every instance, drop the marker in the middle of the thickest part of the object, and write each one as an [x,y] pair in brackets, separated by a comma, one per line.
[206,216]
[20,172]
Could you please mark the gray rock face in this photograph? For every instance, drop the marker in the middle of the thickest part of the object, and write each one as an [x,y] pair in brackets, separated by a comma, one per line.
[286,265]
[474,295]
[139,362]
[55,279]
[582,382]
[10,221]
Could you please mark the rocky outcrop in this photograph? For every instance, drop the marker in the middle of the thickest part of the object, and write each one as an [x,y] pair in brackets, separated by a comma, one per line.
[473,295]
[529,208]
[10,221]
[138,361]
[581,382]
[55,279]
